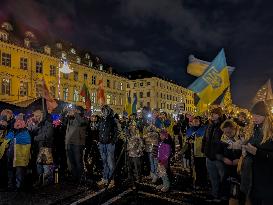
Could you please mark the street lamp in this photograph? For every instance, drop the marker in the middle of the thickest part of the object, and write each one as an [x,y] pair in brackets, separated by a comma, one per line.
[63,68]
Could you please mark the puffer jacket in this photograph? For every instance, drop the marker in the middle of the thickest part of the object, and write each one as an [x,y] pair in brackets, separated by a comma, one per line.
[150,138]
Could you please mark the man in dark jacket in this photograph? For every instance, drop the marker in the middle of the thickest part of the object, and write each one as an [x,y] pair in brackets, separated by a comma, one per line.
[75,141]
[107,139]
[210,143]
[41,128]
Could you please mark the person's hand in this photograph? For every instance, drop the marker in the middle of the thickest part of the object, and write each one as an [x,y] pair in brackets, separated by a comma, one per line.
[227,161]
[250,149]
[235,145]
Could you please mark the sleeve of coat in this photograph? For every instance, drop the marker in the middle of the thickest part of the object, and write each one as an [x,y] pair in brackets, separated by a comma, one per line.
[264,155]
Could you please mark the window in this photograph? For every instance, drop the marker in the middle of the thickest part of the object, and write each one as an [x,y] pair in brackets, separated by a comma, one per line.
[6,86]
[140,94]
[93,80]
[128,85]
[141,104]
[93,97]
[53,70]
[72,50]
[148,83]
[135,85]
[148,94]
[85,76]
[75,95]
[39,88]
[6,59]
[90,63]
[161,95]
[87,56]
[121,86]
[66,76]
[53,91]
[23,88]
[148,104]
[76,76]
[141,84]
[3,36]
[114,100]
[108,99]
[65,93]
[39,67]
[23,63]
[63,55]
[108,83]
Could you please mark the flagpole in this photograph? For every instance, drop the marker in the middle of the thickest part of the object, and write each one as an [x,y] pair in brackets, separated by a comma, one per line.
[43,96]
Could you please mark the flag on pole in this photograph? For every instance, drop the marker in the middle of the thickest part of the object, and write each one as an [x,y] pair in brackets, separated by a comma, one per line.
[85,93]
[134,105]
[100,93]
[264,94]
[212,83]
[51,104]
[128,106]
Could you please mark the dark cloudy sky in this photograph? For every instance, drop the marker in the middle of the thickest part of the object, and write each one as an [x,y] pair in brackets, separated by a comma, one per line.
[159,35]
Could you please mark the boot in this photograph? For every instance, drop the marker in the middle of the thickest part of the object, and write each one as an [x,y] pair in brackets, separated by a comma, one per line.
[102,182]
[112,184]
[166,183]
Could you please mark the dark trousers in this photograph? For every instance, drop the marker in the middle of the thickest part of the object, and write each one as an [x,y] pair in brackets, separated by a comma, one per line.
[135,168]
[200,170]
[75,160]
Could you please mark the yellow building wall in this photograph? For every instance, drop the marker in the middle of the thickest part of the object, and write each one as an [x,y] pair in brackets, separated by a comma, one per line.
[16,75]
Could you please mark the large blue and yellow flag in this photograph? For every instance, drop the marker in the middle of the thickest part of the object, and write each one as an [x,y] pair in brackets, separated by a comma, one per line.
[212,83]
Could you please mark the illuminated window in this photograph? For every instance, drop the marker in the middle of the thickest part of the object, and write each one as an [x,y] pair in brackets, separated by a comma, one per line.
[65,93]
[23,63]
[76,95]
[76,76]
[53,70]
[121,86]
[93,97]
[93,80]
[148,94]
[39,88]
[53,91]
[140,94]
[85,76]
[39,67]
[23,88]
[6,86]
[6,59]
[90,63]
[108,99]
[66,76]
[78,60]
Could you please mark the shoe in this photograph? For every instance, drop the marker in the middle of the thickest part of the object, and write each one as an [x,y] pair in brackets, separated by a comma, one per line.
[165,189]
[159,187]
[112,184]
[102,182]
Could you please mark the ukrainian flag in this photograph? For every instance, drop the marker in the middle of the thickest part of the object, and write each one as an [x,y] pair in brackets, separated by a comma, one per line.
[128,106]
[212,83]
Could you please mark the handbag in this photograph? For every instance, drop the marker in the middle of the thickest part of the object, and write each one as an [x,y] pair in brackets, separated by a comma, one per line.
[45,156]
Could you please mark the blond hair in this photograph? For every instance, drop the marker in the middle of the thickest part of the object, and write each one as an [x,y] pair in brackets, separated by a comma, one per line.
[267,129]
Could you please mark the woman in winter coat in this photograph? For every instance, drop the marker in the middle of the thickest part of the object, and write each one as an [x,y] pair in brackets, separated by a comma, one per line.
[163,157]
[257,169]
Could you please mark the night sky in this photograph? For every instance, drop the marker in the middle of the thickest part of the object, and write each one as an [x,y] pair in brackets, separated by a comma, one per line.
[159,35]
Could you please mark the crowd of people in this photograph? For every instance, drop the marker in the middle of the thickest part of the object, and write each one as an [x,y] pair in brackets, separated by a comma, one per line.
[235,152]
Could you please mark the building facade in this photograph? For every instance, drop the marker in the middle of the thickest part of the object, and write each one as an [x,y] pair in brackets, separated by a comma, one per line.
[25,62]
[155,92]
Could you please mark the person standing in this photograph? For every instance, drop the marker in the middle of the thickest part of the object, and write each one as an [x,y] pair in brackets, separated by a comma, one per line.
[257,171]
[75,142]
[210,144]
[108,133]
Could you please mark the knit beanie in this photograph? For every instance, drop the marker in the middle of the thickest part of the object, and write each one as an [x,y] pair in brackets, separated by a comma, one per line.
[259,109]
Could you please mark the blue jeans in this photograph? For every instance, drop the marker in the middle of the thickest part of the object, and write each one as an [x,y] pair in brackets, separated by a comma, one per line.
[216,171]
[47,171]
[107,152]
[153,163]
[75,160]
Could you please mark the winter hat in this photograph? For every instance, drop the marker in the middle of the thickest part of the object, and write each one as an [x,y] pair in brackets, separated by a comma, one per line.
[218,111]
[259,109]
